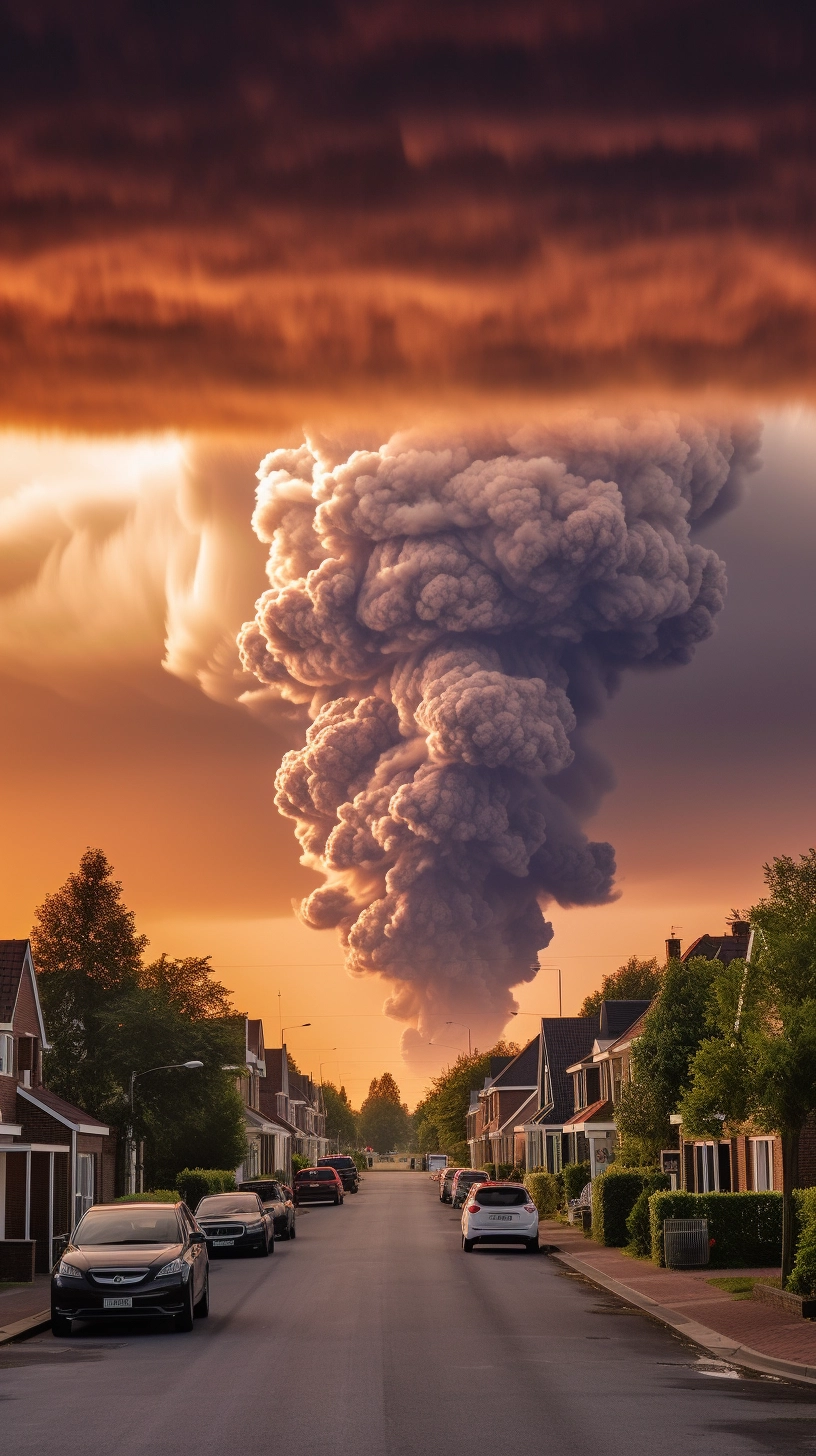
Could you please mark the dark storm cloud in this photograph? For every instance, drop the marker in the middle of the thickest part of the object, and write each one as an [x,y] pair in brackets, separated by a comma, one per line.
[214,215]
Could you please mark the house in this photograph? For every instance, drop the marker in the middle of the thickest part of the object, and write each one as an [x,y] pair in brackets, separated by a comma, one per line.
[509,1093]
[55,1159]
[540,1141]
[295,1103]
[268,1141]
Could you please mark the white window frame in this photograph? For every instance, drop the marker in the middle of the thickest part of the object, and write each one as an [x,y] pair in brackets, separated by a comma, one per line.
[85,1181]
[762,1164]
[6,1054]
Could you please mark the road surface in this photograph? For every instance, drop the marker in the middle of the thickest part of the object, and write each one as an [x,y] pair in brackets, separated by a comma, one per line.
[373,1334]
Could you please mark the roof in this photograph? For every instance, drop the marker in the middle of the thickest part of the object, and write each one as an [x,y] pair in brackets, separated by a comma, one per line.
[64,1111]
[566,1040]
[725,948]
[12,960]
[519,1071]
[617,1016]
[628,1035]
[601,1111]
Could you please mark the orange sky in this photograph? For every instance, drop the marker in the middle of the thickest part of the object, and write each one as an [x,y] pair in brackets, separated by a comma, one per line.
[359,219]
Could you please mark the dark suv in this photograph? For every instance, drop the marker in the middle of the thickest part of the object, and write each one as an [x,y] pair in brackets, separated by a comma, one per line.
[346,1167]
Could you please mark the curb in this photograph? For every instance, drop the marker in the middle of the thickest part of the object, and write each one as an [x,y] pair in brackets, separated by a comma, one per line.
[21,1329]
[723,1347]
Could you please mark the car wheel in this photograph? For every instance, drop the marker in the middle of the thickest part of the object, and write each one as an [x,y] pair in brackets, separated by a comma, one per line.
[202,1309]
[284,1233]
[532,1246]
[184,1321]
[292,1230]
[337,1200]
[263,1249]
[60,1326]
[467,1245]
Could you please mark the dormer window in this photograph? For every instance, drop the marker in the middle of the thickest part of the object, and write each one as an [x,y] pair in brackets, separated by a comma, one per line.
[6,1055]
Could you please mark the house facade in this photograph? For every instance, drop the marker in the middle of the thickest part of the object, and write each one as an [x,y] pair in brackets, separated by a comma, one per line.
[268,1141]
[509,1092]
[295,1103]
[55,1159]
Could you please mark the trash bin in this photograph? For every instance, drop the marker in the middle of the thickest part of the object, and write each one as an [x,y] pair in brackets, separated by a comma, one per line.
[685,1243]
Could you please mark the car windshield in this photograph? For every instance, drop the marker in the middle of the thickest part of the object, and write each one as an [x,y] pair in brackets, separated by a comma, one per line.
[228,1205]
[128,1225]
[501,1197]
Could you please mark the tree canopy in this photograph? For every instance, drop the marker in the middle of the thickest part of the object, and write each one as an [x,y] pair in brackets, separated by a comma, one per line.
[341,1119]
[384,1121]
[637,980]
[440,1119]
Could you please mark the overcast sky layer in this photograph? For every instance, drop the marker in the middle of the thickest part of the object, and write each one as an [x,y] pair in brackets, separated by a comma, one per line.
[221,228]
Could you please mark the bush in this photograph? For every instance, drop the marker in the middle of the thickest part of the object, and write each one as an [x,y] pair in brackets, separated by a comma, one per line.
[576,1177]
[614,1195]
[746,1228]
[545,1191]
[159,1195]
[299,1160]
[516,1174]
[194,1184]
[803,1275]
[639,1225]
[490,1170]
[504,1170]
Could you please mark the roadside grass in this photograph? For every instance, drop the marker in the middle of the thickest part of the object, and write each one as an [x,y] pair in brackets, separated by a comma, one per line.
[741,1285]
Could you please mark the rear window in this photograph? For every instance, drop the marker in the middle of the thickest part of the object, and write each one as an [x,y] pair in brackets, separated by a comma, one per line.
[335,1163]
[316,1175]
[502,1197]
[468,1178]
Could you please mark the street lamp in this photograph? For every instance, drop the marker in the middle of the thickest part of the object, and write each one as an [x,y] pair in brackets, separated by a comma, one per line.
[293,1028]
[168,1067]
[535,1013]
[464,1028]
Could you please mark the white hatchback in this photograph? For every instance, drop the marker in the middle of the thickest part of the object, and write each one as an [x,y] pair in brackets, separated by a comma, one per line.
[500,1213]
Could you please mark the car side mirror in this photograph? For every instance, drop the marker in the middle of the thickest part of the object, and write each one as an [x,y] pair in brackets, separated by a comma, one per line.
[197,1237]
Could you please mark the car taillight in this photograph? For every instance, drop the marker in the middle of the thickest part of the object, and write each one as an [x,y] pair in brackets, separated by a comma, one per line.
[473,1208]
[529,1208]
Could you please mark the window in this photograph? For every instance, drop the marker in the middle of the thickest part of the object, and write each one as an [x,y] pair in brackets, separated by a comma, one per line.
[7,1055]
[762,1152]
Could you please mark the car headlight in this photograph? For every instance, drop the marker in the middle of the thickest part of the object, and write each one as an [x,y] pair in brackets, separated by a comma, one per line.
[176,1266]
[68,1271]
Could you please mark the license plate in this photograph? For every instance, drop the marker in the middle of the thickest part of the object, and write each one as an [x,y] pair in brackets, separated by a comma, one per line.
[121,1302]
[223,1243]
[502,1217]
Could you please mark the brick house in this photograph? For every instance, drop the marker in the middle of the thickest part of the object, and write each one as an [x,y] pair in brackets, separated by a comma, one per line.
[508,1094]
[55,1159]
[267,1141]
[293,1101]
[540,1141]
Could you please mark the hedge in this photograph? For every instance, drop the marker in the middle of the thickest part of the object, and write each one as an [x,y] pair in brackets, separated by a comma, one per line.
[746,1228]
[159,1195]
[614,1195]
[803,1275]
[194,1184]
[546,1192]
[576,1177]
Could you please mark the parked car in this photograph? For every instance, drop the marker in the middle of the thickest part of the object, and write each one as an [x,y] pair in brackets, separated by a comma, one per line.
[445,1184]
[318,1185]
[464,1180]
[500,1213]
[346,1167]
[132,1259]
[236,1221]
[274,1198]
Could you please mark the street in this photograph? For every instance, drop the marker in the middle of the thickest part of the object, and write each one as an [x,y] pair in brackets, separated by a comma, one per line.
[374,1334]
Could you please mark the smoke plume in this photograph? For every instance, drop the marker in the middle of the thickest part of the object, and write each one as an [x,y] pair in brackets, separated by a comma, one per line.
[450,610]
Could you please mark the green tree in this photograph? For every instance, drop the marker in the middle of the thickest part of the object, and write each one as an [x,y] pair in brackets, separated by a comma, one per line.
[759,1068]
[385,1124]
[443,1111]
[636,981]
[341,1119]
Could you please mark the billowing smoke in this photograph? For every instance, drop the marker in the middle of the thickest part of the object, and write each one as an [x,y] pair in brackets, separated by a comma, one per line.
[450,609]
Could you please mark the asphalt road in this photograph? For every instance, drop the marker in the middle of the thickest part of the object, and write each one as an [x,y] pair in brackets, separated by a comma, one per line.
[374,1334]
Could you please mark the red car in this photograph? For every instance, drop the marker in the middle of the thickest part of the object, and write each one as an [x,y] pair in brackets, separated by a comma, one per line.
[318,1185]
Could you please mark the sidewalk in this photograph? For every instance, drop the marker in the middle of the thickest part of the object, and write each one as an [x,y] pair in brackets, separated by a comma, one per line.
[743,1330]
[22,1303]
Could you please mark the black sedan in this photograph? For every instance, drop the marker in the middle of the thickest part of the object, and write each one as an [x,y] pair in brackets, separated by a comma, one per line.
[236,1221]
[124,1259]
[277,1200]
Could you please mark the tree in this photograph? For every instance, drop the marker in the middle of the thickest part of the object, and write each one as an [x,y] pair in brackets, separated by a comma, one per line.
[341,1120]
[442,1114]
[636,981]
[385,1123]
[759,1069]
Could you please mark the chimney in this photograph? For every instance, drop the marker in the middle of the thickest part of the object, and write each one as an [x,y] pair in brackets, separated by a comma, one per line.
[672,949]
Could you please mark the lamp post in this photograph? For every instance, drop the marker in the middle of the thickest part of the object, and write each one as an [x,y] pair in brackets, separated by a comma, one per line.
[168,1067]
[464,1028]
[535,1013]
[284,1029]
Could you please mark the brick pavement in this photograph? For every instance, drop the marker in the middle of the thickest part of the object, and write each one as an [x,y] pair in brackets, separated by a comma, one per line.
[760,1326]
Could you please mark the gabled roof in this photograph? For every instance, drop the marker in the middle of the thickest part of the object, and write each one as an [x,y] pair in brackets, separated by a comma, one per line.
[725,948]
[15,961]
[631,1033]
[617,1016]
[566,1040]
[520,1071]
[601,1111]
[63,1111]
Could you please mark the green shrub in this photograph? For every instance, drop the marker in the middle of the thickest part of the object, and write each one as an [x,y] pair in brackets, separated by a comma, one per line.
[299,1160]
[194,1184]
[504,1170]
[516,1174]
[746,1228]
[576,1177]
[614,1195]
[639,1226]
[158,1195]
[545,1191]
[803,1275]
[490,1169]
